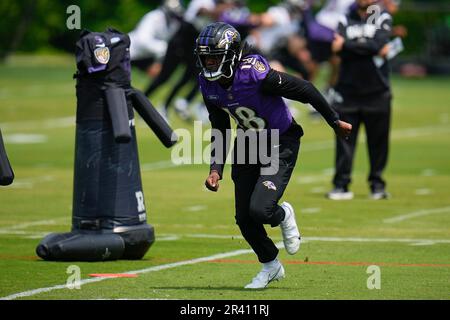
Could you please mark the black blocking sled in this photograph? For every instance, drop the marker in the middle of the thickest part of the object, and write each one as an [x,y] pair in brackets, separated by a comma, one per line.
[6,172]
[109,218]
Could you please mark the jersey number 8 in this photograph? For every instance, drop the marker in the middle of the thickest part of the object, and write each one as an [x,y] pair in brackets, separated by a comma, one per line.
[247,119]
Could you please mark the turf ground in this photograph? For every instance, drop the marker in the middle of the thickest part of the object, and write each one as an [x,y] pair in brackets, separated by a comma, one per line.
[198,253]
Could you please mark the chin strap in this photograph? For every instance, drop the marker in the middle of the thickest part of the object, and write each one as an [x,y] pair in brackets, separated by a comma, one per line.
[232,65]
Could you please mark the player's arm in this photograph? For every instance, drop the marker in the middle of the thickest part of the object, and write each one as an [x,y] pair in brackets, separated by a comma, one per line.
[294,88]
[220,121]
[148,38]
[370,47]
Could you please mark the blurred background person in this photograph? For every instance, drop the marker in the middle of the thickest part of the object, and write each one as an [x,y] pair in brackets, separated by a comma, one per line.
[320,30]
[365,94]
[150,38]
[278,37]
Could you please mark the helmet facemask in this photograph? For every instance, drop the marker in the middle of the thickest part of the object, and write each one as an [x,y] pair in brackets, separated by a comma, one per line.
[225,61]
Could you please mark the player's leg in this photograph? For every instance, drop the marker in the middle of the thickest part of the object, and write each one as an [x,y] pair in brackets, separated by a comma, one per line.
[142,64]
[245,177]
[193,92]
[335,62]
[344,154]
[188,35]
[185,78]
[170,63]
[269,189]
[261,206]
[198,110]
[377,130]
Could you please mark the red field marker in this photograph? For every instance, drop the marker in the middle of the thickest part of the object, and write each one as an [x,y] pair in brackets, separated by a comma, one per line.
[114,275]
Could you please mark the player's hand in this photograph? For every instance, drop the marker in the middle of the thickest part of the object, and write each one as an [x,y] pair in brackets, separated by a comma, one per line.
[212,182]
[338,43]
[384,51]
[154,70]
[343,129]
[399,31]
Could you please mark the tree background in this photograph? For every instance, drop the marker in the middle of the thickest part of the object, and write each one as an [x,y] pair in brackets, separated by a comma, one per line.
[40,25]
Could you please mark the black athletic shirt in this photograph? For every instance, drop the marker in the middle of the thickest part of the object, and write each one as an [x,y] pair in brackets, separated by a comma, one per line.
[364,38]
[277,84]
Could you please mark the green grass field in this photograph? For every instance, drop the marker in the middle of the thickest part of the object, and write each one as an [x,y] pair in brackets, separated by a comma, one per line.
[408,236]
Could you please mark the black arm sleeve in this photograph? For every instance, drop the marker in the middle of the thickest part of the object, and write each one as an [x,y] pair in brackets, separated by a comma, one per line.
[220,123]
[282,84]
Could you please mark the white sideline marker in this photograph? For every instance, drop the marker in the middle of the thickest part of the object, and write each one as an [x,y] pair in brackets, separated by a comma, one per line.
[310,210]
[64,122]
[196,208]
[415,214]
[25,138]
[423,192]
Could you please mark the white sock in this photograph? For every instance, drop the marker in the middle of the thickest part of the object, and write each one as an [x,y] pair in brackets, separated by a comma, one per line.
[271,264]
[287,214]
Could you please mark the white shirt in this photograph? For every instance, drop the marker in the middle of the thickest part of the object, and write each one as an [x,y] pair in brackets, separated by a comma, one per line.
[268,37]
[332,11]
[150,37]
[191,14]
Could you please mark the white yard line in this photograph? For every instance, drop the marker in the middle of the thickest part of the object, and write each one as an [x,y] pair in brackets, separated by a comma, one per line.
[423,192]
[141,271]
[196,208]
[165,164]
[310,210]
[25,138]
[327,239]
[39,124]
[358,239]
[415,214]
[312,179]
[29,224]
[18,229]
[30,182]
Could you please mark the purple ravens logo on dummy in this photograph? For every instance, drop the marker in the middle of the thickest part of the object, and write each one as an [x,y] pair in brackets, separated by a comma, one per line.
[270,185]
[102,55]
[101,52]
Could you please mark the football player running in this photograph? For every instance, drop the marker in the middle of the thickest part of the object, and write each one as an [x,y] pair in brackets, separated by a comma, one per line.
[243,85]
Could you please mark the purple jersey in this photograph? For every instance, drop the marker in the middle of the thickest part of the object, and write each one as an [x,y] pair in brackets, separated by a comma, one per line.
[244,100]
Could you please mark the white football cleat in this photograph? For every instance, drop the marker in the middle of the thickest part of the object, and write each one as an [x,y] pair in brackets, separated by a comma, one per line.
[289,230]
[379,195]
[163,112]
[181,107]
[201,113]
[339,194]
[266,276]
